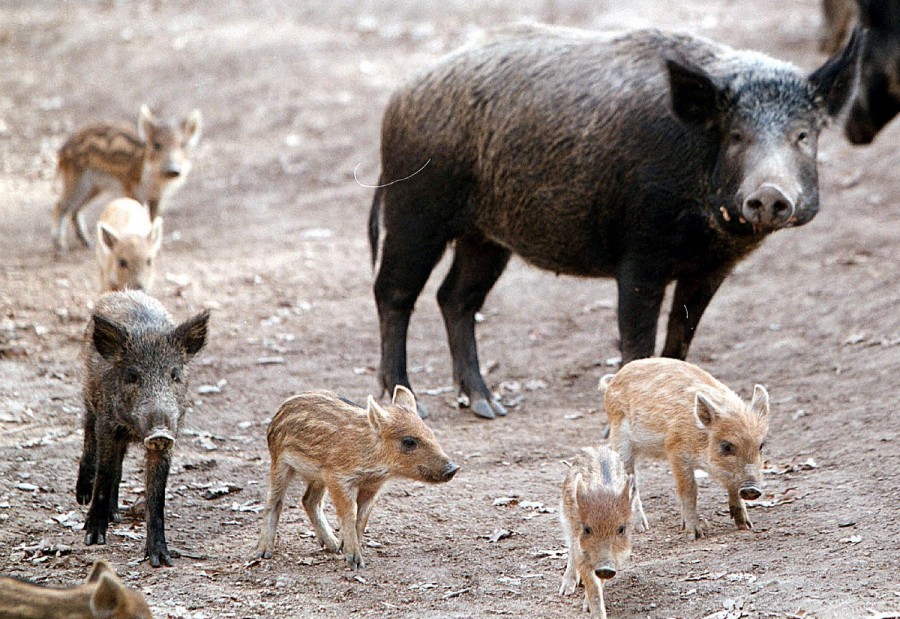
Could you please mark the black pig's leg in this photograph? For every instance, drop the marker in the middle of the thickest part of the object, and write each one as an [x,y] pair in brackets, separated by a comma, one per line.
[407,261]
[114,514]
[477,264]
[87,469]
[641,291]
[692,295]
[109,452]
[157,466]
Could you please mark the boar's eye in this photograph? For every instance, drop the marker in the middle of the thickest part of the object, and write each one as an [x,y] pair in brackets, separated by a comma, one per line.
[123,264]
[622,530]
[176,375]
[587,530]
[736,136]
[132,376]
[726,448]
[409,443]
[802,137]
[157,146]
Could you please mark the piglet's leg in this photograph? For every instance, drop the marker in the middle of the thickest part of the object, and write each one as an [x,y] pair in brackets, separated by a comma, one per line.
[342,495]
[365,501]
[570,578]
[312,503]
[738,510]
[109,452]
[686,487]
[157,466]
[593,590]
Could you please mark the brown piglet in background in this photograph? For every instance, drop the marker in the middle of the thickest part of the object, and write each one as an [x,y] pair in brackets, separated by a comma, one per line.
[335,445]
[596,519]
[127,245]
[101,596]
[147,164]
[665,408]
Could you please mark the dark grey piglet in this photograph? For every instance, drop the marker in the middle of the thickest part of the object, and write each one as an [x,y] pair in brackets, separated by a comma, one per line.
[135,391]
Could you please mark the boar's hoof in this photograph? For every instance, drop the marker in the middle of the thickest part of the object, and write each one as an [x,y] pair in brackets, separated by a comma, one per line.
[488,409]
[94,536]
[159,556]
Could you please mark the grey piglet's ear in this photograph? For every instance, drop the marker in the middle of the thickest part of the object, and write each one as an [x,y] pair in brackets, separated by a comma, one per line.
[191,334]
[108,337]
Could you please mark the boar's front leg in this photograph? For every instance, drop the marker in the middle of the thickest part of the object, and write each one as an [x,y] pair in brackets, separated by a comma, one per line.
[157,465]
[110,454]
[692,296]
[477,263]
[641,289]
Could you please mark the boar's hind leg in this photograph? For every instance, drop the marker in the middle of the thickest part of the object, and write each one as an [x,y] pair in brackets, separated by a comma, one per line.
[477,264]
[640,297]
[157,474]
[407,260]
[692,295]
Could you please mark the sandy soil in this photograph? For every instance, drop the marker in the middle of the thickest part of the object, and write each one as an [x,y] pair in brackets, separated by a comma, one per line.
[269,232]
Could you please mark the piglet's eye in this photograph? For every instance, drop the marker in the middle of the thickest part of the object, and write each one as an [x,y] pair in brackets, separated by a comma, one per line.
[123,264]
[587,530]
[176,375]
[409,443]
[726,448]
[132,376]
[622,530]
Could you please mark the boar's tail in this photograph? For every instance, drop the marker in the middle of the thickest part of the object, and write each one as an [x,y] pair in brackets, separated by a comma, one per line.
[374,222]
[604,382]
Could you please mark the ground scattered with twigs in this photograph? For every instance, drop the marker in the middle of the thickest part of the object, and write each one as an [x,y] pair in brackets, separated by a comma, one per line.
[270,233]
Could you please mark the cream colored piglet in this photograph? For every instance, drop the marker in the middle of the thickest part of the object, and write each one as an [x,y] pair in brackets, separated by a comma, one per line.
[127,244]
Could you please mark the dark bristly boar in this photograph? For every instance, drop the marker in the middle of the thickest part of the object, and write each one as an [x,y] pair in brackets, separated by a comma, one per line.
[332,444]
[135,392]
[877,100]
[101,596]
[645,156]
[666,408]
[595,513]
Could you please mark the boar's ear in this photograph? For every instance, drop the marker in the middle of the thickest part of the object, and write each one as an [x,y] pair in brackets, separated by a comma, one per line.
[107,238]
[377,415]
[191,128]
[694,96]
[99,568]
[404,397]
[109,338]
[146,123]
[834,82]
[106,597]
[705,412]
[156,235]
[191,334]
[760,402]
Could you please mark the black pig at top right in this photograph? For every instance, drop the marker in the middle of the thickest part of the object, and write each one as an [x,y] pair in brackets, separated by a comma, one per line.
[646,156]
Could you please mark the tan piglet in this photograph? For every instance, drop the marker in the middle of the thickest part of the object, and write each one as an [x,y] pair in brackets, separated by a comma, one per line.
[665,408]
[335,445]
[127,246]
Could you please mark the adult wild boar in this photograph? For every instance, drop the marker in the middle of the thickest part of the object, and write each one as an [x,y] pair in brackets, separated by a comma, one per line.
[877,99]
[646,156]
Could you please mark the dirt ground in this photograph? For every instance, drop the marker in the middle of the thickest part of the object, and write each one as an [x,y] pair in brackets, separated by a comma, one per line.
[269,232]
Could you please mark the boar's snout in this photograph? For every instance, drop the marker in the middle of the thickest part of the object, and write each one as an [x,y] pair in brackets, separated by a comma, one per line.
[768,207]
[159,439]
[449,471]
[750,491]
[605,572]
